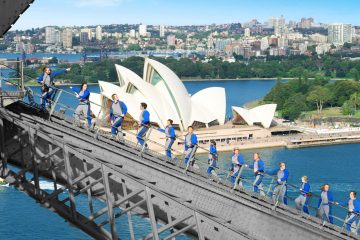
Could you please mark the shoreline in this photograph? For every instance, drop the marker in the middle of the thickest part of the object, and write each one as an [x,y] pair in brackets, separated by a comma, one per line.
[248,79]
[198,80]
[62,84]
[303,140]
[277,144]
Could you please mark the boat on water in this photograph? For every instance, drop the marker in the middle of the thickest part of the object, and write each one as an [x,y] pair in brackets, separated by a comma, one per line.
[3,182]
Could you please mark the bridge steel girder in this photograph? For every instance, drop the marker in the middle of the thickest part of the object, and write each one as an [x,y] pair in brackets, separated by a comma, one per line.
[149,195]
[10,11]
[99,166]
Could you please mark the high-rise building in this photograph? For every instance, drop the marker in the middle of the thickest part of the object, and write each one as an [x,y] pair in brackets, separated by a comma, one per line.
[273,41]
[17,39]
[318,38]
[85,35]
[210,42]
[132,33]
[251,23]
[50,35]
[279,26]
[306,23]
[339,33]
[295,36]
[247,32]
[323,48]
[171,40]
[142,30]
[303,47]
[19,47]
[264,43]
[292,24]
[221,43]
[283,42]
[58,37]
[29,48]
[162,31]
[271,22]
[98,33]
[67,38]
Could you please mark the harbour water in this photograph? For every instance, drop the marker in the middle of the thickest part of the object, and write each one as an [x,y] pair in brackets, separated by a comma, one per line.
[61,57]
[77,57]
[237,92]
[337,165]
[23,218]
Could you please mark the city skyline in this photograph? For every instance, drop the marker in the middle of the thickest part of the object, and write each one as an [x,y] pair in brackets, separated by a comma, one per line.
[70,13]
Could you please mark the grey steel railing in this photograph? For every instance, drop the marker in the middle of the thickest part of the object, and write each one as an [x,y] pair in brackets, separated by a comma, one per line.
[267,188]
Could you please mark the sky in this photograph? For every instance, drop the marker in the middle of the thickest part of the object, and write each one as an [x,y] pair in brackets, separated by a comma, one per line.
[182,12]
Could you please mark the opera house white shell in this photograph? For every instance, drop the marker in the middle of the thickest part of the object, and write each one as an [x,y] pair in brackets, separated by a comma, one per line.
[263,114]
[166,97]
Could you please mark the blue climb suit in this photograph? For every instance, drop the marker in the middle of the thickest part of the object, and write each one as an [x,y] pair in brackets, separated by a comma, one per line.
[324,206]
[212,158]
[353,206]
[170,138]
[47,81]
[280,189]
[258,165]
[144,126]
[117,112]
[236,162]
[302,200]
[190,146]
[84,105]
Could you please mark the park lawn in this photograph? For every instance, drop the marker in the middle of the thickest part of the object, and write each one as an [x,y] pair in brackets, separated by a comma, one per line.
[32,82]
[329,112]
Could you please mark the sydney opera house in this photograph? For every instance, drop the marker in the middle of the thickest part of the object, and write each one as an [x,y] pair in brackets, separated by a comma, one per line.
[262,115]
[167,97]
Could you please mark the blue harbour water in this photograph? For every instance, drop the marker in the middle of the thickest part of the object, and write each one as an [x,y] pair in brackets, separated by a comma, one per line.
[61,57]
[338,165]
[77,57]
[237,92]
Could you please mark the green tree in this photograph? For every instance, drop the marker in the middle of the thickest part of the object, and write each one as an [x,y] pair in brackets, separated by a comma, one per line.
[279,94]
[342,90]
[354,73]
[238,57]
[53,60]
[207,70]
[135,64]
[354,100]
[30,73]
[134,47]
[347,109]
[320,96]
[312,49]
[347,45]
[294,106]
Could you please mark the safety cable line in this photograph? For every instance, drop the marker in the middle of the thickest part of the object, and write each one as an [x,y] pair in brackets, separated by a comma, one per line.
[219,170]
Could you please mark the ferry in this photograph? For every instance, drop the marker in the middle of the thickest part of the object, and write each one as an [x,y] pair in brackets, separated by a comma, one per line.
[3,182]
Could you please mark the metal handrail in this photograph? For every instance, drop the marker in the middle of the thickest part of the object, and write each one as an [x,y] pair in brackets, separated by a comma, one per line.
[243,167]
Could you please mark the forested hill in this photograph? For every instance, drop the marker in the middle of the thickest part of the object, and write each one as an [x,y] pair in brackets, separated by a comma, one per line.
[329,66]
[295,97]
